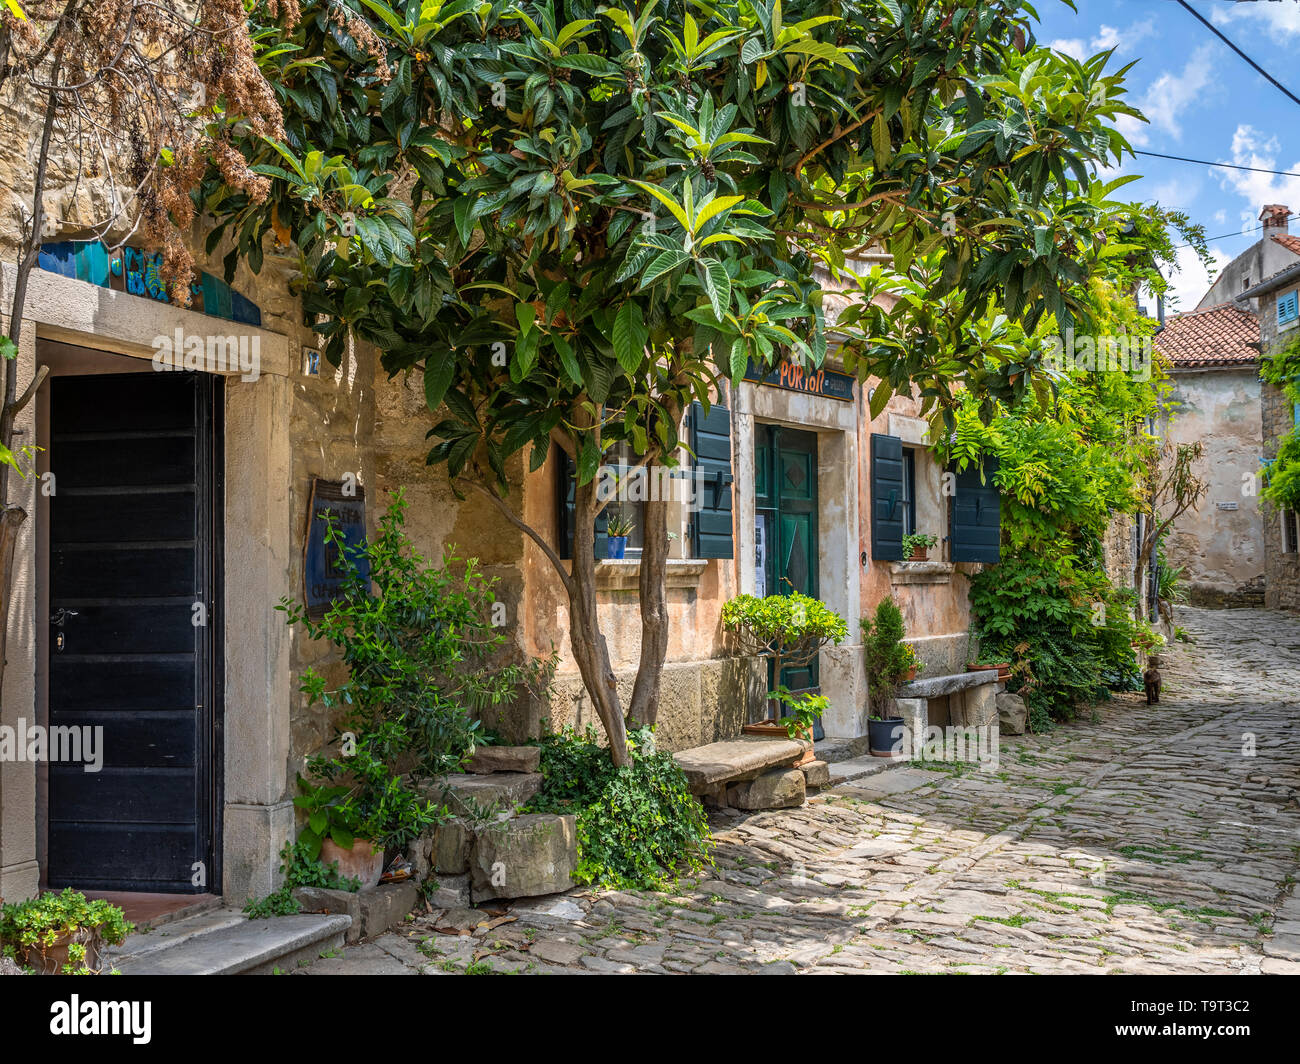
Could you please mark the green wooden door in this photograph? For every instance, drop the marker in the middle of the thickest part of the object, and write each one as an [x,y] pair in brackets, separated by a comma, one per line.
[785,490]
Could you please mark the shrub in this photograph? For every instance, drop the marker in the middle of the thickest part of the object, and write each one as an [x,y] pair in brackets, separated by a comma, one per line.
[419,647]
[1064,626]
[888,658]
[638,826]
[301,868]
[787,631]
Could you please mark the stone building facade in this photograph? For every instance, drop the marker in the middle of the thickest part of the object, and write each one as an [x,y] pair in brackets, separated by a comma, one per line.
[798,492]
[1279,318]
[1213,361]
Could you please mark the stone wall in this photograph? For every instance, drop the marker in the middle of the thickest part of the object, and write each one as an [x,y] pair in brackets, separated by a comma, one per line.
[1220,545]
[1281,568]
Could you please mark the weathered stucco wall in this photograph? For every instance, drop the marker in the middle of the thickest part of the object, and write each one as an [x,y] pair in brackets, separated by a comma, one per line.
[1221,544]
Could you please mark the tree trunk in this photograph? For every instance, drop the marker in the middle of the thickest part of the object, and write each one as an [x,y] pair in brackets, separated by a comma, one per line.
[11,518]
[654,607]
[589,648]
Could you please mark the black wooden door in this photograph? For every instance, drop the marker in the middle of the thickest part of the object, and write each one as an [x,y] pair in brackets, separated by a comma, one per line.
[133,640]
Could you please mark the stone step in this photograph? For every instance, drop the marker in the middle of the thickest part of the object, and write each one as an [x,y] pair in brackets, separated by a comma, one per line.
[471,795]
[147,941]
[859,767]
[834,749]
[240,947]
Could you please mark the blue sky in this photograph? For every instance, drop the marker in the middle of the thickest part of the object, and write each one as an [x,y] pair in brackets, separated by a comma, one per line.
[1203,101]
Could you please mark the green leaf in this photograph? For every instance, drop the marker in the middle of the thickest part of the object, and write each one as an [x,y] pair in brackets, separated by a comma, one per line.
[437,379]
[630,336]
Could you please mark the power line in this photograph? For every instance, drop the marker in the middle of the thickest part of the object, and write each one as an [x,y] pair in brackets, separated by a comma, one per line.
[1224,236]
[1215,30]
[1206,162]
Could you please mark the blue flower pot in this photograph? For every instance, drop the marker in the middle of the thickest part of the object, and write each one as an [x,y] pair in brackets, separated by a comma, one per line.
[616,546]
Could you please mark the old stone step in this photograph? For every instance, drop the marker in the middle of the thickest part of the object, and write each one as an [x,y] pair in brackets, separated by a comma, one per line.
[240,947]
[472,795]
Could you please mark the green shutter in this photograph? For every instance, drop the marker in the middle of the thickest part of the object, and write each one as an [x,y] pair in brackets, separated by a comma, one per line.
[886,498]
[711,523]
[976,516]
[566,511]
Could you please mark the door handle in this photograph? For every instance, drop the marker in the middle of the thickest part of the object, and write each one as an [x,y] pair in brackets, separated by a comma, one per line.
[60,615]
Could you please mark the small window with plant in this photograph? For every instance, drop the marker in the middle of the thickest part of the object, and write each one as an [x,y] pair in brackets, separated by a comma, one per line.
[916,546]
[618,530]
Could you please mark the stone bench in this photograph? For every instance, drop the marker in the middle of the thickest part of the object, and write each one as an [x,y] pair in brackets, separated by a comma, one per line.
[970,697]
[749,772]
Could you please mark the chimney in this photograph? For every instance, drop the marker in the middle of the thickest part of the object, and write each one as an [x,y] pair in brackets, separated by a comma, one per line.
[1274,216]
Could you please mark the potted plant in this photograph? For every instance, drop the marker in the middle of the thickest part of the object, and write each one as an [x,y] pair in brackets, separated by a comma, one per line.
[913,663]
[983,659]
[617,531]
[361,807]
[61,934]
[787,631]
[916,546]
[889,662]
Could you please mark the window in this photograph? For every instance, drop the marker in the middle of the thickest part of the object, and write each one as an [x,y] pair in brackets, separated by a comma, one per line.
[634,487]
[1288,309]
[909,491]
[1290,532]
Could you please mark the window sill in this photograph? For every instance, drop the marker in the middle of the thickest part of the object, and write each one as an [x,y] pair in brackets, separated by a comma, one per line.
[624,574]
[928,572]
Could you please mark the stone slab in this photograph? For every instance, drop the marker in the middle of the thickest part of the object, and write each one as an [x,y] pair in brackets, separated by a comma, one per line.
[860,767]
[243,947]
[452,892]
[715,763]
[488,759]
[386,906]
[469,794]
[524,857]
[323,900]
[936,686]
[816,773]
[778,788]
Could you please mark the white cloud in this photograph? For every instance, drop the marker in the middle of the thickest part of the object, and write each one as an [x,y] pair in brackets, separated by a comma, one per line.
[1250,147]
[1278,18]
[1074,47]
[1122,40]
[1171,95]
[1220,217]
[1189,280]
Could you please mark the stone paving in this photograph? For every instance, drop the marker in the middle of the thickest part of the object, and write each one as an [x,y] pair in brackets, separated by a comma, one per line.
[1134,840]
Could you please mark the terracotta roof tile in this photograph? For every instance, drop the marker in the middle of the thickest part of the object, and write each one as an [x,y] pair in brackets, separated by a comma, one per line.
[1290,242]
[1221,335]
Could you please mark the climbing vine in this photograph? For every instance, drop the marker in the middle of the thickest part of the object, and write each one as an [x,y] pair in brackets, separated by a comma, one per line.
[1064,466]
[1282,475]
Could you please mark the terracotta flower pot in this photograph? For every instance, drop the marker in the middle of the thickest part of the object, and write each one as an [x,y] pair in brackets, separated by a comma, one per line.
[364,861]
[1004,669]
[49,960]
[910,675]
[920,554]
[771,729]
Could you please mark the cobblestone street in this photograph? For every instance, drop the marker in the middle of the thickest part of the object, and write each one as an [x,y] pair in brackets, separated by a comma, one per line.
[1137,839]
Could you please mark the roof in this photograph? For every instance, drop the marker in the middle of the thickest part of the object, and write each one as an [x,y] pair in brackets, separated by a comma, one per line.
[1226,334]
[1291,243]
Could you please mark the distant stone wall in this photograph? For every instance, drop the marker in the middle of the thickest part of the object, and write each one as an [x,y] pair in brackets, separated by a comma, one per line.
[1281,569]
[1220,545]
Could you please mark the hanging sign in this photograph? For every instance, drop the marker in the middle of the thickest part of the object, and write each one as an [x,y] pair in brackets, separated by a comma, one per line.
[824,382]
[325,569]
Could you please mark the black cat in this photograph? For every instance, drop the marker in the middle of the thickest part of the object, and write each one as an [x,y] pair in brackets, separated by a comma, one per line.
[1152,679]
